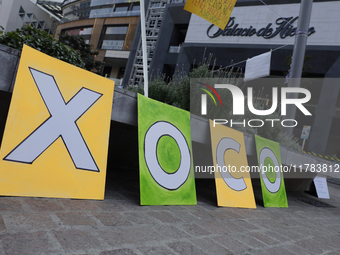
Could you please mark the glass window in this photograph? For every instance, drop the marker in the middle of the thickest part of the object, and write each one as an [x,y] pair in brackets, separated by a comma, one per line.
[21,10]
[112,44]
[136,7]
[30,16]
[121,8]
[79,31]
[41,24]
[116,30]
[155,5]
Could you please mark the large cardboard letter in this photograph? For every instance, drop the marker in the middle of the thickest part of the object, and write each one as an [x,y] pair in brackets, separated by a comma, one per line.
[232,178]
[272,184]
[56,136]
[165,162]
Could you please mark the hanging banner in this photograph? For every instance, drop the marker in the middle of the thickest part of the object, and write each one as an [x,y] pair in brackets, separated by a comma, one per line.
[215,11]
[55,142]
[258,67]
[165,154]
[232,178]
[271,176]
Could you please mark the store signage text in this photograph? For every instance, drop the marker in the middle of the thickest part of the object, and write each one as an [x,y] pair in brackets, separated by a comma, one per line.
[284,29]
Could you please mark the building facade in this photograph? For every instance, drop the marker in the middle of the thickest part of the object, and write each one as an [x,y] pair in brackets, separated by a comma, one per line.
[108,25]
[254,29]
[17,13]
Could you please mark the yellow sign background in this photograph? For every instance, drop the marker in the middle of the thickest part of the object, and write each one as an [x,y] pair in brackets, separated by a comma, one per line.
[53,173]
[225,195]
[215,11]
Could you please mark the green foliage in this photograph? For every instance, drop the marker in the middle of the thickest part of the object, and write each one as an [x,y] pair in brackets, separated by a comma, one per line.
[86,53]
[1,30]
[43,42]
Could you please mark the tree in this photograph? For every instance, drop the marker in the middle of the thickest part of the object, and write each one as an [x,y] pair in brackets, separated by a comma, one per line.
[87,55]
[40,40]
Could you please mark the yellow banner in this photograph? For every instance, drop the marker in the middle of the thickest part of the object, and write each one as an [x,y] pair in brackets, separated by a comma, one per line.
[215,11]
[233,183]
[56,138]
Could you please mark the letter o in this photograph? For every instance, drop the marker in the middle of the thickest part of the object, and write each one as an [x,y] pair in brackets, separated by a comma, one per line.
[273,187]
[289,120]
[262,123]
[224,145]
[170,181]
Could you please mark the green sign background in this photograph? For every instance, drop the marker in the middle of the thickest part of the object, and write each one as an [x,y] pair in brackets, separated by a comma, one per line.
[168,155]
[278,199]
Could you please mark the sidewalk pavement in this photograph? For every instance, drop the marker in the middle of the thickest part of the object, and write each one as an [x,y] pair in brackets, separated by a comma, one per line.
[119,225]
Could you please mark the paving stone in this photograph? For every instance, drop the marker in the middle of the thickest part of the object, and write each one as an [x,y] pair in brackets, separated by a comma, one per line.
[76,219]
[279,251]
[119,252]
[297,249]
[110,205]
[281,237]
[112,219]
[140,218]
[245,213]
[263,238]
[132,205]
[75,239]
[11,204]
[29,221]
[185,248]
[209,246]
[230,213]
[184,216]
[250,241]
[156,251]
[23,243]
[332,241]
[165,217]
[44,205]
[220,216]
[232,227]
[290,233]
[81,205]
[130,235]
[310,245]
[203,215]
[333,253]
[212,227]
[195,230]
[233,245]
[170,232]
[269,223]
[246,224]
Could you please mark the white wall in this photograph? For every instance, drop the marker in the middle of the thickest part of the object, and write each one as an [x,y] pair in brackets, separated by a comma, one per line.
[10,19]
[325,19]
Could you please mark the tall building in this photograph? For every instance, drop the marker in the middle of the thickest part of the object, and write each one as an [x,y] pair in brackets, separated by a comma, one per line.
[176,37]
[155,10]
[108,25]
[44,15]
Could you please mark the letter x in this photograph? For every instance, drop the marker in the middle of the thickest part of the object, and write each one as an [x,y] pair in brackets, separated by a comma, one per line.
[61,123]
